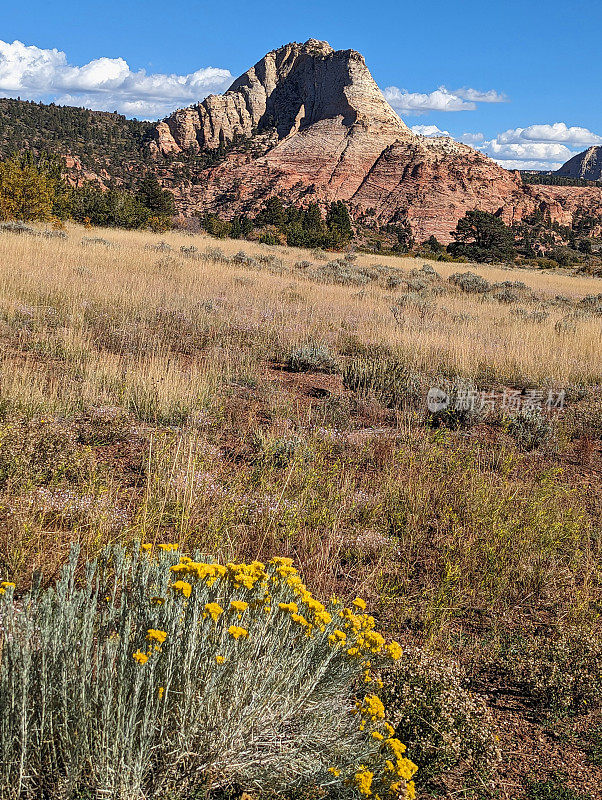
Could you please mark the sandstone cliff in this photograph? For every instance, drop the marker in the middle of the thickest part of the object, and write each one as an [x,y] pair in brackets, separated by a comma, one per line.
[319,129]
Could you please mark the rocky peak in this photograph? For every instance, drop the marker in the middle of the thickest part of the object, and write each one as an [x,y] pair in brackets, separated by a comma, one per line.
[289,90]
[586,165]
[320,130]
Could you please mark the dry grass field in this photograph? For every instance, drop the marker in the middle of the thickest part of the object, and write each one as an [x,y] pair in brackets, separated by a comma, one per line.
[245,400]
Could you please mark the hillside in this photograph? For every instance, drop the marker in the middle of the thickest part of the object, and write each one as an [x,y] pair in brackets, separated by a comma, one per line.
[96,143]
[317,128]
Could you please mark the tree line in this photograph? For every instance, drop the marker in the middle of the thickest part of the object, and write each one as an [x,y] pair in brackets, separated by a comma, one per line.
[32,187]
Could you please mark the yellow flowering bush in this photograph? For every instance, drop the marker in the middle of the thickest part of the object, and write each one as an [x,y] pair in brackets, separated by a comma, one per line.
[161,673]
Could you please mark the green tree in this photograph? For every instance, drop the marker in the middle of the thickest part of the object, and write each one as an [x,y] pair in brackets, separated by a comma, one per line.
[215,226]
[108,207]
[273,213]
[338,221]
[481,236]
[241,227]
[434,245]
[312,221]
[159,201]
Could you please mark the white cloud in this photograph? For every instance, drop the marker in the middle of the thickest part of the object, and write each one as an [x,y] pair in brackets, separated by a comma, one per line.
[406,102]
[429,130]
[476,96]
[105,84]
[557,132]
[541,151]
[542,146]
[540,166]
[440,99]
[473,139]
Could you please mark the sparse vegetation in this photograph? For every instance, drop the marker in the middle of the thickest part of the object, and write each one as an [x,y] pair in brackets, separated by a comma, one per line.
[244,400]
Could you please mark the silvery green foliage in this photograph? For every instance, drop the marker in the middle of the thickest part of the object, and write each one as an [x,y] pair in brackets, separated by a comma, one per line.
[78,713]
[470,282]
[311,357]
[391,381]
[531,428]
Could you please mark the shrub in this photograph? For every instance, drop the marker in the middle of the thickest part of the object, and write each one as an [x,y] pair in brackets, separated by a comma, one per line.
[277,451]
[463,407]
[87,240]
[269,238]
[412,302]
[26,191]
[561,673]
[584,420]
[393,383]
[568,324]
[156,678]
[18,228]
[443,724]
[311,357]
[470,283]
[345,273]
[530,428]
[481,236]
[530,316]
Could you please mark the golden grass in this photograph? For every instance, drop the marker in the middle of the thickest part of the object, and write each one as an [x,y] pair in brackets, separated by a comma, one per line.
[111,321]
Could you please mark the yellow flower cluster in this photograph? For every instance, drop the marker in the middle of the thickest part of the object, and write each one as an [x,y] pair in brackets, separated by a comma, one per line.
[363,781]
[246,575]
[394,650]
[399,770]
[337,637]
[351,630]
[371,709]
[237,632]
[140,657]
[156,636]
[6,585]
[213,610]
[183,587]
[146,547]
[292,608]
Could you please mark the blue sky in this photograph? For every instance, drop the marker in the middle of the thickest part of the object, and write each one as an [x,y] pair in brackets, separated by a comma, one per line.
[519,80]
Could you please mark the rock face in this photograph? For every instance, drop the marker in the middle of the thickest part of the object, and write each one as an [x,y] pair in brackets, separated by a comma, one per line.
[586,165]
[316,127]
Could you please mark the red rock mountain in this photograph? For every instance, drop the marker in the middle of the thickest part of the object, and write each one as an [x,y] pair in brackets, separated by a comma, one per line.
[316,127]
